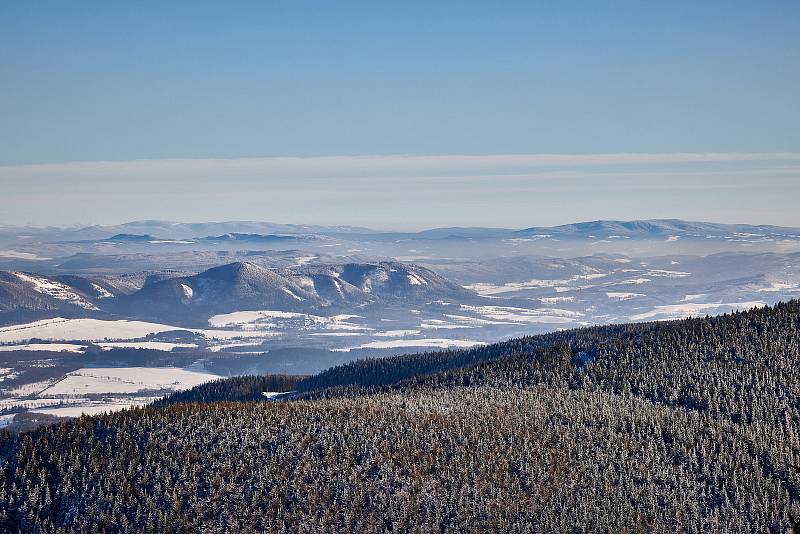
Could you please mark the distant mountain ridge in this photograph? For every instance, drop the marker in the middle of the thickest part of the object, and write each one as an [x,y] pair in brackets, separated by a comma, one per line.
[251,229]
[28,296]
[153,245]
[248,286]
[237,286]
[131,237]
[175,230]
[658,227]
[236,236]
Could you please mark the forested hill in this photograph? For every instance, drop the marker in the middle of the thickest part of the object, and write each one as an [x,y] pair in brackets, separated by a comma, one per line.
[671,360]
[236,389]
[687,426]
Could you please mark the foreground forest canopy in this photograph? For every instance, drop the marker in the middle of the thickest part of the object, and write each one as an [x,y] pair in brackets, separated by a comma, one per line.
[689,426]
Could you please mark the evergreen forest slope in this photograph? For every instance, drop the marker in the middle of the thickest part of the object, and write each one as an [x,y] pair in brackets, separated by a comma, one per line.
[685,426]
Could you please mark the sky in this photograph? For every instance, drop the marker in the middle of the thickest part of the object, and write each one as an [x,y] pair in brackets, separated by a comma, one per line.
[399,115]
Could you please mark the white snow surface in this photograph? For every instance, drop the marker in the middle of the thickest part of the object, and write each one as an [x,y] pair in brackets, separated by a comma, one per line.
[267,319]
[102,330]
[775,287]
[21,255]
[416,280]
[619,295]
[47,347]
[634,281]
[102,293]
[54,289]
[693,297]
[426,343]
[85,409]
[245,317]
[154,345]
[396,333]
[692,309]
[274,394]
[555,300]
[187,291]
[127,380]
[88,329]
[484,288]
[525,315]
[302,260]
[289,292]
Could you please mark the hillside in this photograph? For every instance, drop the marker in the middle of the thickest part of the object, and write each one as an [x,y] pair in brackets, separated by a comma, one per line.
[689,425]
[231,287]
[225,288]
[698,364]
[25,296]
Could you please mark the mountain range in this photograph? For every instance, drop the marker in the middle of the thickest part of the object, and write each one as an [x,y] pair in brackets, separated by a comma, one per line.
[158,245]
[193,298]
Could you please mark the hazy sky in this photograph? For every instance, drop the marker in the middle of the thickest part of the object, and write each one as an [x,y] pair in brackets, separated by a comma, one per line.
[399,114]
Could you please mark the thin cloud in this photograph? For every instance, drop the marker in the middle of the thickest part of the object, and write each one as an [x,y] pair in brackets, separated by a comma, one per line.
[361,166]
[409,191]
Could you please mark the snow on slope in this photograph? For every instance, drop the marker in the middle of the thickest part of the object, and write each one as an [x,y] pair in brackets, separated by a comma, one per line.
[54,289]
[91,408]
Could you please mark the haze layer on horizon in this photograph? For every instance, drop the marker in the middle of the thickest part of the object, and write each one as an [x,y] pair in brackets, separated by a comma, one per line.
[186,111]
[410,192]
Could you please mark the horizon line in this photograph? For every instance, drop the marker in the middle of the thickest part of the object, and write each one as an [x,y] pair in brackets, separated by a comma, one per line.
[82,226]
[532,158]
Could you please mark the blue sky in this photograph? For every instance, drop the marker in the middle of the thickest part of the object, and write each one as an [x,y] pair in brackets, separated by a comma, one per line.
[126,81]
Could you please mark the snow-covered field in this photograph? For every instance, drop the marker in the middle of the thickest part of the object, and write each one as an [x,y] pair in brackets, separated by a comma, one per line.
[31,388]
[270,319]
[93,390]
[153,345]
[588,280]
[693,309]
[84,329]
[439,343]
[75,406]
[105,330]
[47,347]
[560,285]
[621,295]
[510,314]
[91,408]
[21,255]
[396,333]
[775,287]
[126,380]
